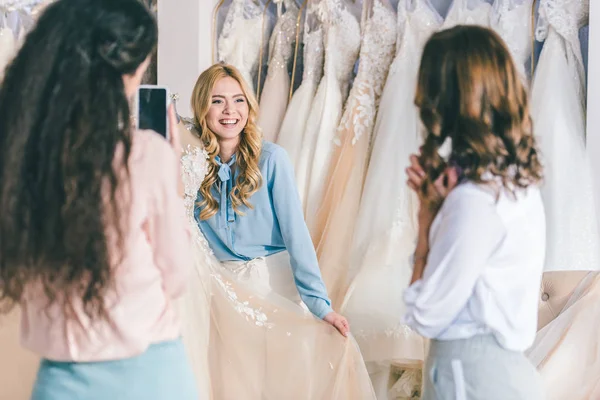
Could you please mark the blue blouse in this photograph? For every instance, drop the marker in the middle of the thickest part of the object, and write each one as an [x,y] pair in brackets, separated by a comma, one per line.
[275,224]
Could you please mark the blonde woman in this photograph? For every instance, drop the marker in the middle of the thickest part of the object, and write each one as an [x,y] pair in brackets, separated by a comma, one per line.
[254,249]
[248,207]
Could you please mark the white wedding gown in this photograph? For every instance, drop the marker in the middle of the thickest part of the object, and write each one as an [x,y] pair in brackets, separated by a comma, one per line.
[275,93]
[385,234]
[241,38]
[342,42]
[246,341]
[511,19]
[334,222]
[293,126]
[558,112]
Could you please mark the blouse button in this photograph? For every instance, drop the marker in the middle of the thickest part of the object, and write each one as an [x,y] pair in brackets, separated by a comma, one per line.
[545,296]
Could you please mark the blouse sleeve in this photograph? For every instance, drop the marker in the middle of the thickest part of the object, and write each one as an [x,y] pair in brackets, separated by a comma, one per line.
[464,236]
[288,210]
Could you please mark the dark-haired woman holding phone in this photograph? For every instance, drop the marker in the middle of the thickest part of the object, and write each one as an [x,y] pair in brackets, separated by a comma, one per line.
[94,245]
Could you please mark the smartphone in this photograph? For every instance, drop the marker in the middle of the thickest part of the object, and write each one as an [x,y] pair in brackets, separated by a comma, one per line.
[152,105]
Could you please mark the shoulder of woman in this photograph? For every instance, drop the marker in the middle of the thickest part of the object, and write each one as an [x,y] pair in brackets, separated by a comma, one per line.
[273,153]
[469,194]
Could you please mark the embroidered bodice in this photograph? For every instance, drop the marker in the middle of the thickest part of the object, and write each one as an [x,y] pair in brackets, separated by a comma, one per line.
[376,54]
[281,45]
[241,38]
[342,41]
[469,12]
[512,21]
[313,48]
[417,21]
[566,17]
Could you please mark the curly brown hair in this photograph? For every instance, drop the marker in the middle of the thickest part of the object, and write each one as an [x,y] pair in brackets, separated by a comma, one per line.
[63,116]
[249,179]
[470,91]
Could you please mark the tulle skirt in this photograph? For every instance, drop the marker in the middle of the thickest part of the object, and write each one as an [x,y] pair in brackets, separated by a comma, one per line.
[264,343]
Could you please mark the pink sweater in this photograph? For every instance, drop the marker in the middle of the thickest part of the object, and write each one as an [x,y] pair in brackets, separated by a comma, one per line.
[142,308]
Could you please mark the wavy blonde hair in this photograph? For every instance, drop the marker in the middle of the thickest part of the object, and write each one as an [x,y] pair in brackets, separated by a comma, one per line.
[249,178]
[470,91]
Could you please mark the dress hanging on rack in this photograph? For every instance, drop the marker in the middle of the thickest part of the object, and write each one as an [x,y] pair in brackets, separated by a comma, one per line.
[342,42]
[334,222]
[275,93]
[373,304]
[511,19]
[241,38]
[293,126]
[558,112]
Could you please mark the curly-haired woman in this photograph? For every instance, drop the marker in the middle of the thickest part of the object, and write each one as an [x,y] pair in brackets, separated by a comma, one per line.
[94,245]
[481,244]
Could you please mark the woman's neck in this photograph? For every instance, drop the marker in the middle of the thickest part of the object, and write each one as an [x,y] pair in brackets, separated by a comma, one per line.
[228,148]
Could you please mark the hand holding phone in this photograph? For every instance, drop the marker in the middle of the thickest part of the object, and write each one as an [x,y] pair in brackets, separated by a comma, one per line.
[152,104]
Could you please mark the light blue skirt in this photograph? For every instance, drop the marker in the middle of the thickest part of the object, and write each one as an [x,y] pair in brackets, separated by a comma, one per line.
[161,373]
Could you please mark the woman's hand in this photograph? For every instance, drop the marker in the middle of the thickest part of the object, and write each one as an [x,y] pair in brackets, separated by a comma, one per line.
[442,187]
[338,322]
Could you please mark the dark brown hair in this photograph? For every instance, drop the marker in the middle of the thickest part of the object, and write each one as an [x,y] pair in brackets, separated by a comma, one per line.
[470,91]
[63,114]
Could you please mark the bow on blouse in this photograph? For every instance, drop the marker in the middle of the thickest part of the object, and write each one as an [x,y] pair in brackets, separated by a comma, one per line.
[226,213]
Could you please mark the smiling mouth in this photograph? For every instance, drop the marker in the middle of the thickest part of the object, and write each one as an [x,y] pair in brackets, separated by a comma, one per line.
[229,122]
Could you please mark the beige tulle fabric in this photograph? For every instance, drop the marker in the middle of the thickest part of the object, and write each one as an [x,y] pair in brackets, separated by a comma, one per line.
[260,344]
[567,350]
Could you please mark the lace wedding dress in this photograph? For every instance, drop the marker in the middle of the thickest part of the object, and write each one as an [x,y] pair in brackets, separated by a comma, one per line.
[334,222]
[558,112]
[241,38]
[293,126]
[275,93]
[511,19]
[342,42]
[262,345]
[566,351]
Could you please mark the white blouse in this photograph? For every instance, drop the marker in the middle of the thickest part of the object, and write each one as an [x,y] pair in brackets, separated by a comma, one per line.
[484,268]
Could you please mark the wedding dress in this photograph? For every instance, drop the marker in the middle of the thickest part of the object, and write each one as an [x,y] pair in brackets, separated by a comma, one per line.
[558,112]
[566,351]
[342,42]
[275,93]
[293,126]
[386,227]
[262,345]
[511,19]
[241,38]
[334,222]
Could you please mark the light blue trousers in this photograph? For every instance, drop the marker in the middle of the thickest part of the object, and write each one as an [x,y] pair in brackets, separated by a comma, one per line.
[160,373]
[478,369]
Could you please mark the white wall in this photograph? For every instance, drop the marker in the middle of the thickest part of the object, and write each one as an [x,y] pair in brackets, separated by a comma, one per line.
[184,45]
[593,95]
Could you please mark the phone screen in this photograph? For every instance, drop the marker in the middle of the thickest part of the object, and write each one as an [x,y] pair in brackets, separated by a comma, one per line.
[152,109]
